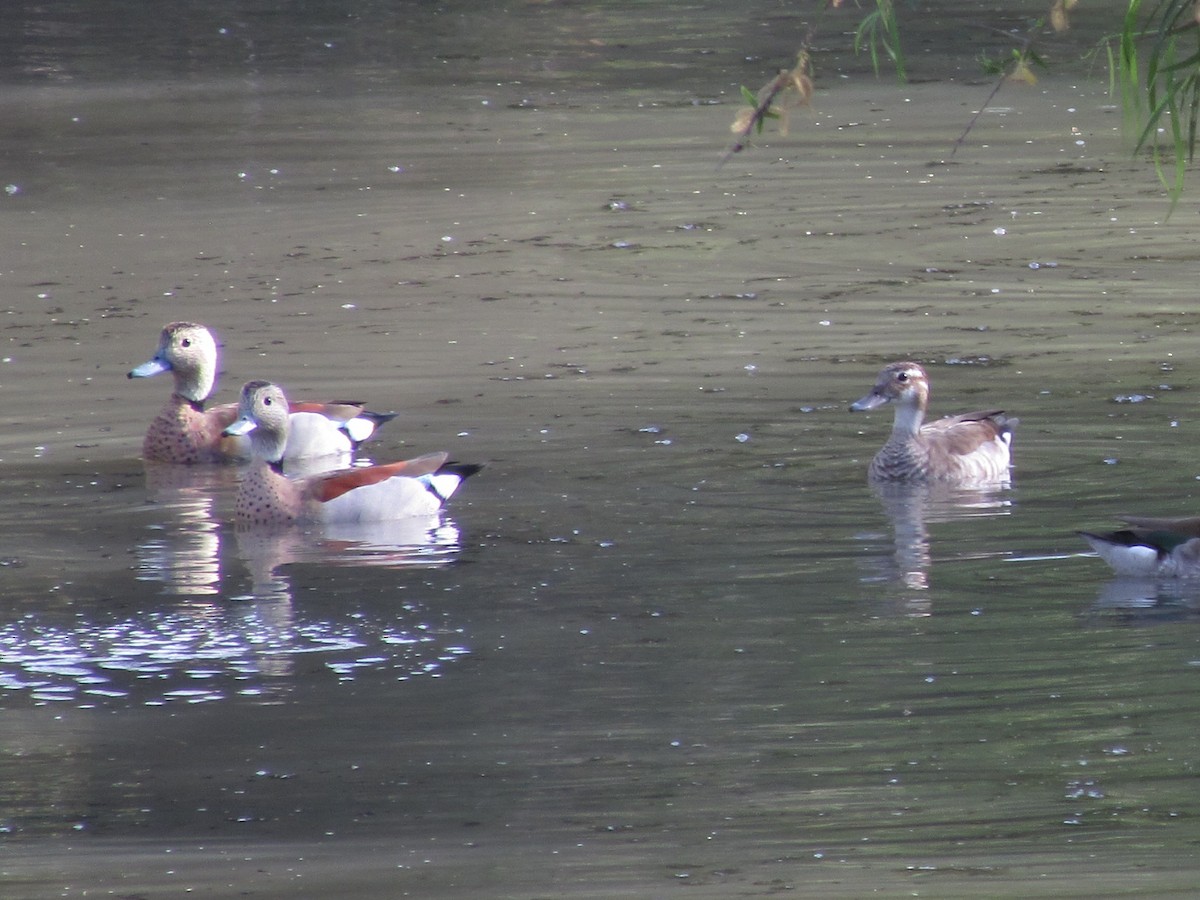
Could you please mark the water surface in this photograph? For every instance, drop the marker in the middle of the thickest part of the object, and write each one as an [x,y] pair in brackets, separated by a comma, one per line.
[669,640]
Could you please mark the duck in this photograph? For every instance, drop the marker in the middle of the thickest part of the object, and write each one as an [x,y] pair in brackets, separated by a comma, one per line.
[971,448]
[265,496]
[189,430]
[1150,547]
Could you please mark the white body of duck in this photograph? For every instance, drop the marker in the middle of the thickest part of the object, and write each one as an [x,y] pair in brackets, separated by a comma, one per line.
[188,430]
[415,487]
[969,448]
[1150,547]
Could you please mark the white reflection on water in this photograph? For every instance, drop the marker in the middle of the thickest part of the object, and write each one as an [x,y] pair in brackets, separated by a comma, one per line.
[206,651]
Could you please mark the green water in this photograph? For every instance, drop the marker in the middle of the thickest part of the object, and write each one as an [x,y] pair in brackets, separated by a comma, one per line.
[674,643]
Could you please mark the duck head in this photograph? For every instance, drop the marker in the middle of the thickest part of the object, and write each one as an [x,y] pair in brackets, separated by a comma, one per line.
[904,384]
[189,351]
[262,414]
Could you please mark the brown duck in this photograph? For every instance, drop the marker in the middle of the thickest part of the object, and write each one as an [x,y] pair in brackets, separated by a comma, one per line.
[189,429]
[970,448]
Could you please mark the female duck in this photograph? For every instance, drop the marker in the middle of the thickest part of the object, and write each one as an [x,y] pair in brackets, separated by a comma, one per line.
[969,448]
[1150,547]
[370,494]
[187,430]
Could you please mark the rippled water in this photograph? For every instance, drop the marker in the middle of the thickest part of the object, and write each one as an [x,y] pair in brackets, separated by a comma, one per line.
[193,654]
[668,639]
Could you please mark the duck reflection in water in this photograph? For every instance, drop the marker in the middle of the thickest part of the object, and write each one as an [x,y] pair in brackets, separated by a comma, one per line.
[417,542]
[183,551]
[912,508]
[1147,601]
[188,551]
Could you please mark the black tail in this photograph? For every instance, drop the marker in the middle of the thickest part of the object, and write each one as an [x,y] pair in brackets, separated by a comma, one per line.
[377,418]
[462,470]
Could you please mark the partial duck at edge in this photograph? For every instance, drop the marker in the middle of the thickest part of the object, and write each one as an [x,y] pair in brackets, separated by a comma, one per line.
[1150,547]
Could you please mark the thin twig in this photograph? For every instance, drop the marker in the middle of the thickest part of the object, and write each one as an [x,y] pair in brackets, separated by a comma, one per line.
[979,112]
[1025,42]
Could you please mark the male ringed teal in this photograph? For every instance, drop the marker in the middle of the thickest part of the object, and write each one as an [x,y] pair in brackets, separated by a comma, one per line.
[188,430]
[968,448]
[265,496]
[1150,547]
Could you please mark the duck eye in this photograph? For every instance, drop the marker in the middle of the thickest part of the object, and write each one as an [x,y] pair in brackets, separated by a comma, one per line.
[902,377]
[266,401]
[186,342]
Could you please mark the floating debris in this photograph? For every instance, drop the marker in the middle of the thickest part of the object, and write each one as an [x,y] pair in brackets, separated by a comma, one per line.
[1132,398]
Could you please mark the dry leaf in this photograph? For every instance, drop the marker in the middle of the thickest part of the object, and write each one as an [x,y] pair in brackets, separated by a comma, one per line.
[1058,17]
[742,120]
[1022,72]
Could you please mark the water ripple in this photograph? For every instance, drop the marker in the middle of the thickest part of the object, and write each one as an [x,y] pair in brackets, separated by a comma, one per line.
[200,654]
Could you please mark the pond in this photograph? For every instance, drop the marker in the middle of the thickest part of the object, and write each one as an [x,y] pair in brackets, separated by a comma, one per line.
[669,640]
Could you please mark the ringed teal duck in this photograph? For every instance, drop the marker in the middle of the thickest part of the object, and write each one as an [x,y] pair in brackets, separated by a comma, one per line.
[369,494]
[969,448]
[1150,547]
[188,430]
